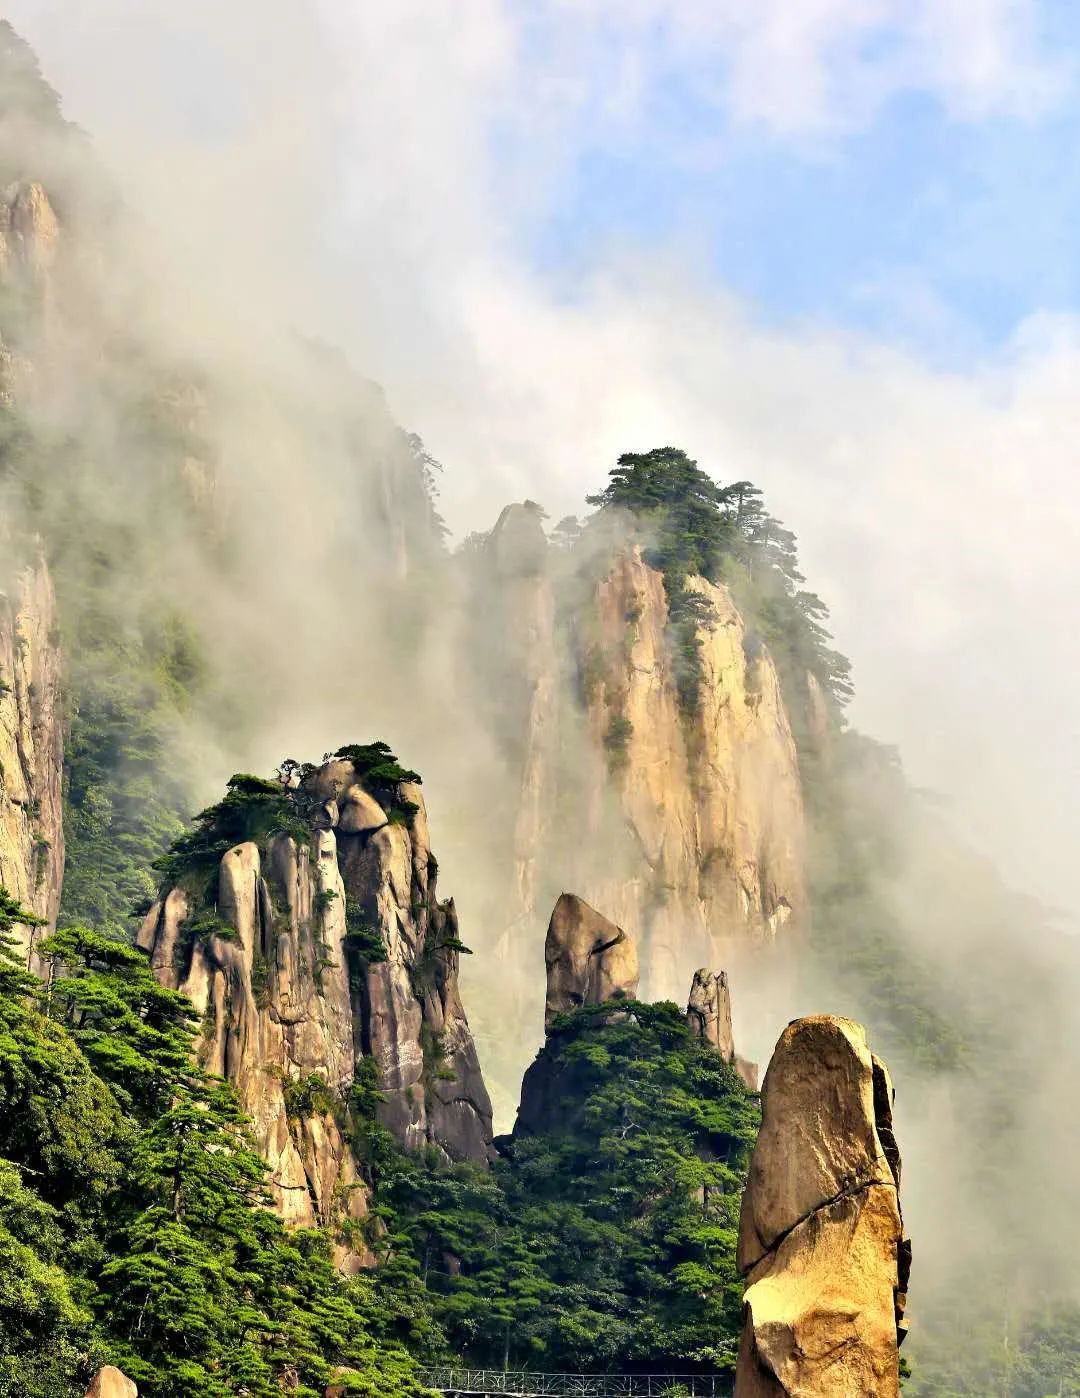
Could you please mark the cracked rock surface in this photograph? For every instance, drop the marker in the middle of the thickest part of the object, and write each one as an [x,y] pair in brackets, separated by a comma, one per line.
[821,1234]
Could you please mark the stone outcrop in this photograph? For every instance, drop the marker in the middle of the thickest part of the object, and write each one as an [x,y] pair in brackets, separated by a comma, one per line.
[110,1382]
[589,960]
[820,1234]
[31,745]
[708,1013]
[294,997]
[687,828]
[29,237]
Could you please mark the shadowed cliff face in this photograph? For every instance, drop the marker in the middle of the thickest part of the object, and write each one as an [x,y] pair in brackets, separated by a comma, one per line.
[308,959]
[31,745]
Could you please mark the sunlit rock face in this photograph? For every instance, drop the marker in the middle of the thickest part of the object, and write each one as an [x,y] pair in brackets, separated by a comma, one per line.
[686,827]
[110,1382]
[293,1000]
[29,240]
[31,745]
[821,1236]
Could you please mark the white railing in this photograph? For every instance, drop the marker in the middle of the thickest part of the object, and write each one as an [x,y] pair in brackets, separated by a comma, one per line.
[518,1384]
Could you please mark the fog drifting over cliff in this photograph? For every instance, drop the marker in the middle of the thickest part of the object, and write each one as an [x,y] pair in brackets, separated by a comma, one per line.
[373,179]
[381,172]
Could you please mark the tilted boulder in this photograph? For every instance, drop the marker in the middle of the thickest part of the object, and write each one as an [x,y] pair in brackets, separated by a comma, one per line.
[708,1014]
[820,1234]
[111,1383]
[589,960]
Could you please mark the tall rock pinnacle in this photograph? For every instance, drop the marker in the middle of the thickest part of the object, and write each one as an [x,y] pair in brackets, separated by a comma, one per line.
[708,1013]
[820,1234]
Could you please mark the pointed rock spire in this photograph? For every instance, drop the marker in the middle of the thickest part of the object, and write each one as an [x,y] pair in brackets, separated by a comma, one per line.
[708,1014]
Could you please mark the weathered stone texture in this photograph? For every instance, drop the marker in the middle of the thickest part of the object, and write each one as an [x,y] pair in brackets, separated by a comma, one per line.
[31,745]
[687,828]
[708,1013]
[821,1236]
[589,960]
[110,1382]
[290,1008]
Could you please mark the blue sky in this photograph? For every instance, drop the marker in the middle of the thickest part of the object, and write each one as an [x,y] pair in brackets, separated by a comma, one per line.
[796,237]
[938,229]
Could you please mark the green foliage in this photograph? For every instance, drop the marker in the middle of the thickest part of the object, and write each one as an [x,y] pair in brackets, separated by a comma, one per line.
[252,809]
[695,526]
[121,799]
[309,1096]
[606,1242]
[133,1225]
[617,737]
[376,766]
[362,938]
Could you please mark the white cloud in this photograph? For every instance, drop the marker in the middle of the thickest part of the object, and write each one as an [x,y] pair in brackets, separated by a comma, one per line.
[367,174]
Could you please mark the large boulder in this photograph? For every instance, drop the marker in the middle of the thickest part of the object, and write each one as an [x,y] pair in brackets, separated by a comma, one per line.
[589,960]
[820,1234]
[111,1383]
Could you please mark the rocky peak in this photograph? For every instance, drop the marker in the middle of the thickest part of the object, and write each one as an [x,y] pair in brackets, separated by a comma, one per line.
[319,947]
[820,1234]
[589,960]
[708,1013]
[517,545]
[686,826]
[31,744]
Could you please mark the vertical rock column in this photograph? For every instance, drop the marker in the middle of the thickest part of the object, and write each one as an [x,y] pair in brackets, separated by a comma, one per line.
[31,745]
[820,1235]
[708,1014]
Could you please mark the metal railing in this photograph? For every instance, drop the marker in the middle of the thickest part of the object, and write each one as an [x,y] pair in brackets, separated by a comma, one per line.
[517,1384]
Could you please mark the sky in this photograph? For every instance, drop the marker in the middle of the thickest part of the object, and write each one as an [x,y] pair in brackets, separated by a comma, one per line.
[824,244]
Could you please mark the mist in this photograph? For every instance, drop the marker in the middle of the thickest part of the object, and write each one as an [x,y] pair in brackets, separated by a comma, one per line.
[377,181]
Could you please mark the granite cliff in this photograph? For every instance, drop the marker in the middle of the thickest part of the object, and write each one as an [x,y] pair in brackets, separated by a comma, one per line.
[687,827]
[31,745]
[314,951]
[591,964]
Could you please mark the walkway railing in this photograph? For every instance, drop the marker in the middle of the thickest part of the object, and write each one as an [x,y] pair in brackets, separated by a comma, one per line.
[469,1382]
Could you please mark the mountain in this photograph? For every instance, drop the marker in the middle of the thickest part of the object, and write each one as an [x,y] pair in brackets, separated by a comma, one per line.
[303,924]
[245,1129]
